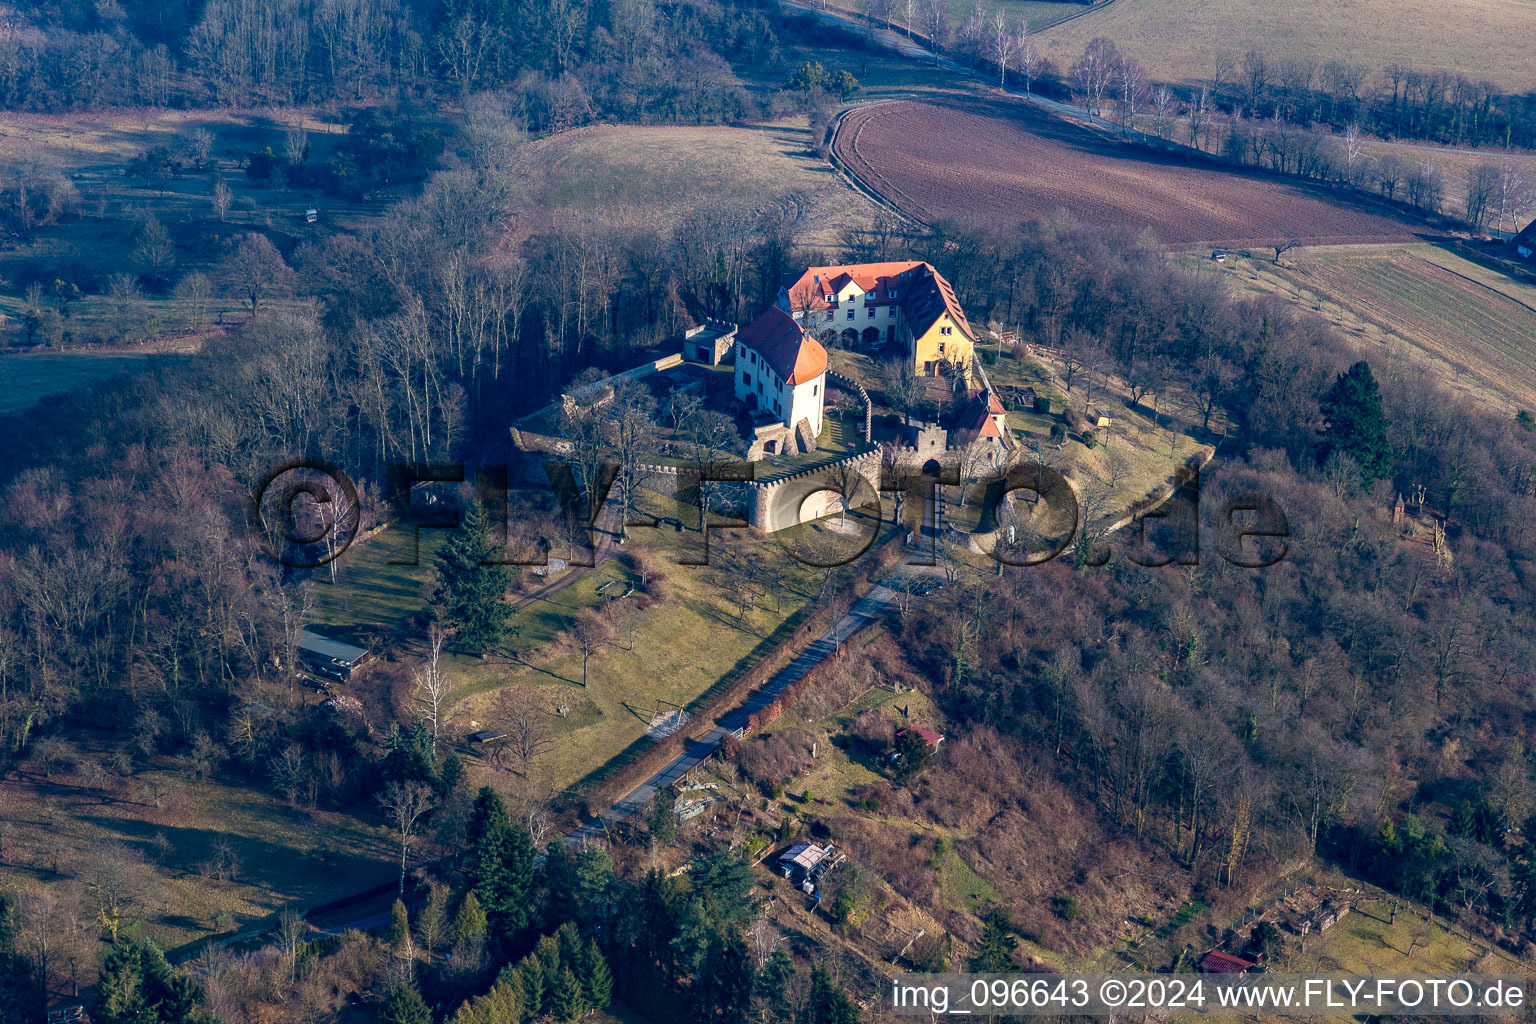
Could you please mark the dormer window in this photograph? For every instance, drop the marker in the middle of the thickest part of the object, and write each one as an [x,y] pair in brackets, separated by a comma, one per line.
[893,293]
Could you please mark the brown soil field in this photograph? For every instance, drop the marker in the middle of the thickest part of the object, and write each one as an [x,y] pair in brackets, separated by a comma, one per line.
[1000,161]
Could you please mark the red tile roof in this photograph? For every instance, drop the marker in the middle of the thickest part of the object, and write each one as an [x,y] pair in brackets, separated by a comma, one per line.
[1217,962]
[808,290]
[791,353]
[978,416]
[921,290]
[929,736]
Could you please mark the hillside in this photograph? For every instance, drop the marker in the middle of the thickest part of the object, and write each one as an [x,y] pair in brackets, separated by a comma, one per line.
[1471,327]
[661,175]
[1178,40]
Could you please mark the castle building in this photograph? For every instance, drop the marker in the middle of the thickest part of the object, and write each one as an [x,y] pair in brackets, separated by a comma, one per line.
[899,307]
[781,371]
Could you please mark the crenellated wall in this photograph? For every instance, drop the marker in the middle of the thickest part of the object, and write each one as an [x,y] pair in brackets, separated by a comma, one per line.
[775,505]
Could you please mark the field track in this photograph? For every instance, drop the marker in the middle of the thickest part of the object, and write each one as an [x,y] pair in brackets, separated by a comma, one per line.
[1002,162]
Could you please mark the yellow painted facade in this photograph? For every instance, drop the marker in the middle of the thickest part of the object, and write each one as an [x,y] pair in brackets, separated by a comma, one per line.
[943,340]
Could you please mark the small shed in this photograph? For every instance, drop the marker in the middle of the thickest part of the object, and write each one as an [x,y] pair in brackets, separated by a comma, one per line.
[933,739]
[330,658]
[1217,962]
[687,810]
[800,861]
[311,215]
[1101,419]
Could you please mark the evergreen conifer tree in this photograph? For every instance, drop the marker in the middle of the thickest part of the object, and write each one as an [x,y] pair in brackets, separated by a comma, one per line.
[1355,424]
[404,1005]
[399,929]
[828,1003]
[469,923]
[500,866]
[595,977]
[471,587]
[565,1002]
[994,953]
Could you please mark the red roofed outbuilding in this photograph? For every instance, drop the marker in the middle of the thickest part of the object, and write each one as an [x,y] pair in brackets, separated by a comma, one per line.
[1217,962]
[933,739]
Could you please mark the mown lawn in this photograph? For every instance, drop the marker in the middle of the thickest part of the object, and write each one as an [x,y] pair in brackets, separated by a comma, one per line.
[1364,943]
[717,618]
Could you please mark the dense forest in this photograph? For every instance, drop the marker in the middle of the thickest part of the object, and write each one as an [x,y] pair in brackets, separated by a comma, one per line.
[567,61]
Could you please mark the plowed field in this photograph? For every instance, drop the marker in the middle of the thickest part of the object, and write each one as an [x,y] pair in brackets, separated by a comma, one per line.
[1001,162]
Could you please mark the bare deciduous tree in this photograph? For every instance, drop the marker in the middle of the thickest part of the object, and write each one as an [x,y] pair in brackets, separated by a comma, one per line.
[195,292]
[976,457]
[404,804]
[1094,71]
[432,687]
[520,715]
[118,882]
[220,198]
[591,633]
[255,270]
[1004,42]
[1281,248]
[291,930]
[1354,147]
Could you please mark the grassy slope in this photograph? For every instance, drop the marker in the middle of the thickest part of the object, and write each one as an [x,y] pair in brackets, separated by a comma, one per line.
[1177,40]
[1472,327]
[50,821]
[28,378]
[681,647]
[659,175]
[93,149]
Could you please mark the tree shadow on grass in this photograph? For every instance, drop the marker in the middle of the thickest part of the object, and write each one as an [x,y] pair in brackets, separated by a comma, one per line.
[516,658]
[280,873]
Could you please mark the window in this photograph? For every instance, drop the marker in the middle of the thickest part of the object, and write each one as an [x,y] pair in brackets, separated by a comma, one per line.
[850,314]
[815,390]
[871,312]
[893,293]
[941,348]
